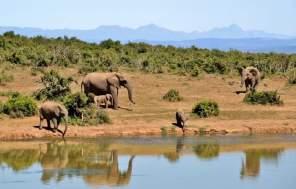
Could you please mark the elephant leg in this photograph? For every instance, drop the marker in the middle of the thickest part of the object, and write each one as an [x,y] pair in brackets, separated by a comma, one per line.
[114,93]
[55,123]
[48,123]
[40,124]
[106,104]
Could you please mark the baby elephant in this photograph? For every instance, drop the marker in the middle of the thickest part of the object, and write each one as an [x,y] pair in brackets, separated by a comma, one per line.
[53,111]
[103,99]
[181,119]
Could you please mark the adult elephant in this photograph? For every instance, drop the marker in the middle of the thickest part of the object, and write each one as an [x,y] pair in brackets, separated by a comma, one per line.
[55,112]
[250,77]
[101,84]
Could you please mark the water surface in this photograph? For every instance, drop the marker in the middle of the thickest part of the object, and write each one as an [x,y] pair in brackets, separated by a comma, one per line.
[151,162]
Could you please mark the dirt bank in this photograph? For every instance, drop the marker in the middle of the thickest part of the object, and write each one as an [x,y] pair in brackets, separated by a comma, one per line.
[26,129]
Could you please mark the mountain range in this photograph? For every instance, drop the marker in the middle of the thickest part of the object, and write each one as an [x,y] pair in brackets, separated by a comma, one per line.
[224,38]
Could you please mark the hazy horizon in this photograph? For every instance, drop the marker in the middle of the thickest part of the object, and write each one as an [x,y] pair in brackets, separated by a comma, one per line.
[188,15]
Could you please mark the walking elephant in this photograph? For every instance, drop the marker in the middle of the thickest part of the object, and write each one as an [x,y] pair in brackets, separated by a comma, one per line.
[53,111]
[250,77]
[102,84]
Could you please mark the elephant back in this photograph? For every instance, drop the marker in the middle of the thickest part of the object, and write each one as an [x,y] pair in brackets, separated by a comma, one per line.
[96,83]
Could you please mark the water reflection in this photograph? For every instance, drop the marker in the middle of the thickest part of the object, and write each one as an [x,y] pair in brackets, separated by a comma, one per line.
[207,151]
[175,155]
[94,165]
[97,163]
[251,166]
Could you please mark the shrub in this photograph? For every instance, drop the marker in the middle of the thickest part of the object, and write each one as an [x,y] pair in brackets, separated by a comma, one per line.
[20,106]
[55,86]
[74,103]
[206,108]
[207,151]
[172,96]
[264,97]
[292,76]
[91,116]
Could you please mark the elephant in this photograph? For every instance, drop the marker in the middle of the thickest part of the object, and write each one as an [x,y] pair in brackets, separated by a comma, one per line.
[101,84]
[53,111]
[250,77]
[181,120]
[103,99]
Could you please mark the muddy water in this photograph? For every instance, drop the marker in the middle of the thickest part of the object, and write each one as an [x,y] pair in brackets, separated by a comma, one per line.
[167,162]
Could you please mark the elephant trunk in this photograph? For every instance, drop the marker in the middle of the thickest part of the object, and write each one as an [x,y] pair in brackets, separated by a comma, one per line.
[130,93]
[66,126]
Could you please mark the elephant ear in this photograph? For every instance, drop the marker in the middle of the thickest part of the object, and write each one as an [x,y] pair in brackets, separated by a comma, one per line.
[254,72]
[121,79]
[113,81]
[62,110]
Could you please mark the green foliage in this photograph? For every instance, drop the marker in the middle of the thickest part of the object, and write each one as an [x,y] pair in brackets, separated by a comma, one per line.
[19,159]
[91,116]
[74,103]
[207,151]
[54,86]
[206,108]
[292,76]
[5,77]
[112,55]
[172,96]
[20,106]
[264,98]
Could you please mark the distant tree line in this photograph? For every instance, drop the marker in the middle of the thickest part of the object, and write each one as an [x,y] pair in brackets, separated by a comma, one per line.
[110,55]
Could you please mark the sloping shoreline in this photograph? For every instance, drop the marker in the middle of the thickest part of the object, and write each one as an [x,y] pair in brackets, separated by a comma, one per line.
[23,129]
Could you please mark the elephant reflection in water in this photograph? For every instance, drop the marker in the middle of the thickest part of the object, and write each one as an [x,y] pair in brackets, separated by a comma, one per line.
[251,166]
[53,161]
[113,175]
[95,166]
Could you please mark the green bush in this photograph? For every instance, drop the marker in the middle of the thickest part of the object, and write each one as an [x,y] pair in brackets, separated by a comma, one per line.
[20,106]
[206,108]
[91,116]
[54,86]
[172,96]
[74,103]
[292,76]
[264,97]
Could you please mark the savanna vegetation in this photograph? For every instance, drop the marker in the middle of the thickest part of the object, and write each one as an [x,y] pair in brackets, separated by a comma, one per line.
[45,57]
[109,55]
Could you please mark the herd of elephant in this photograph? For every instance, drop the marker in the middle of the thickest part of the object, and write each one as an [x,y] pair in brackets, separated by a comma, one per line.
[103,88]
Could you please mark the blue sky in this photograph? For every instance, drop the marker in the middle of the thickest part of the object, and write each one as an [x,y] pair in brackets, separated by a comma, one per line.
[277,16]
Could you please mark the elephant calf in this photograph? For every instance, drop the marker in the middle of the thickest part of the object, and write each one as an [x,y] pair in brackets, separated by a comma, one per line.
[53,111]
[103,99]
[181,120]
